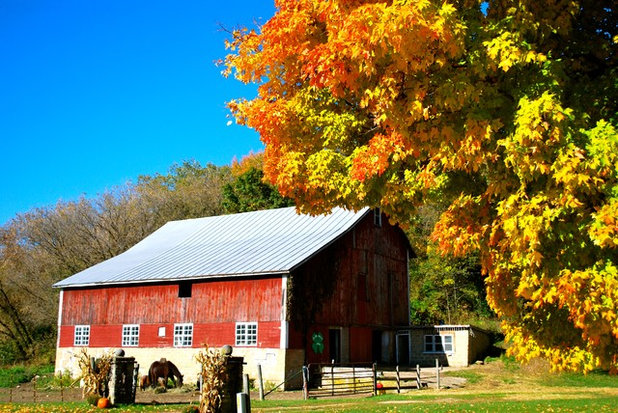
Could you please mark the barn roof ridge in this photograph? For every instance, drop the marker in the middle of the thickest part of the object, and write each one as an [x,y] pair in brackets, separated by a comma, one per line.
[246,244]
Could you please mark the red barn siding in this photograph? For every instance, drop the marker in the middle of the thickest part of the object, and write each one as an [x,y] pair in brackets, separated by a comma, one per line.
[213,334]
[295,336]
[269,334]
[360,344]
[381,254]
[211,301]
[66,334]
[103,335]
[214,308]
[149,335]
[367,292]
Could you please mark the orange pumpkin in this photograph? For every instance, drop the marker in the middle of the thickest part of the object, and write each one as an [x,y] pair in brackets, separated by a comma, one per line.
[103,403]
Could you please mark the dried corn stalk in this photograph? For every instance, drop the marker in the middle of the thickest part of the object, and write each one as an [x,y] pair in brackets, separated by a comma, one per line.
[95,373]
[214,375]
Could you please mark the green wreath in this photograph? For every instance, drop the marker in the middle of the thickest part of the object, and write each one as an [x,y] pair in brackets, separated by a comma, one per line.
[317,343]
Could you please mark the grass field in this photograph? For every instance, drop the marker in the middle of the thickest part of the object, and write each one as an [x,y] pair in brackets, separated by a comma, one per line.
[499,386]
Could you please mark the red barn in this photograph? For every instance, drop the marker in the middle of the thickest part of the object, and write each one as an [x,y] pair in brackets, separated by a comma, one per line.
[283,289]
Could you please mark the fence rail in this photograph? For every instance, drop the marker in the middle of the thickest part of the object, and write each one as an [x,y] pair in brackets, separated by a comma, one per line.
[397,378]
[330,380]
[43,387]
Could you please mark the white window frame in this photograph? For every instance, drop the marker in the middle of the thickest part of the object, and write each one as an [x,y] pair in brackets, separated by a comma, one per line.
[130,335]
[246,334]
[439,343]
[183,335]
[81,335]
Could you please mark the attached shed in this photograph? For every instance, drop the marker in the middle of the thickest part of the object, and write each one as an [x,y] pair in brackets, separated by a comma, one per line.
[282,288]
[452,345]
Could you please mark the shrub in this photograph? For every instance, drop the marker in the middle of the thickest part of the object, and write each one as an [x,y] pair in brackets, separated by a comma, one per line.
[15,375]
[56,381]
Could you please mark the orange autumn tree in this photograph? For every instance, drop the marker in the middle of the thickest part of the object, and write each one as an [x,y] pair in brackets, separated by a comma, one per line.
[505,110]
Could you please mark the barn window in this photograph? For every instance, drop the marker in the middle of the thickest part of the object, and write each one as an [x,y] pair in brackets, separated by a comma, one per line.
[130,335]
[439,343]
[184,289]
[183,335]
[246,334]
[377,217]
[82,336]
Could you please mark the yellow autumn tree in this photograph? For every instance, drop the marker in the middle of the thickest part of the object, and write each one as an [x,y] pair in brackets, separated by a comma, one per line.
[504,109]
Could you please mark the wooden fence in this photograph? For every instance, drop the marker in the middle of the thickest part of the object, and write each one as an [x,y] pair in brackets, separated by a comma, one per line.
[331,380]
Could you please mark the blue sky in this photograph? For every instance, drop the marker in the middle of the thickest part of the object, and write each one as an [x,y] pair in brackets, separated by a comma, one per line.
[94,93]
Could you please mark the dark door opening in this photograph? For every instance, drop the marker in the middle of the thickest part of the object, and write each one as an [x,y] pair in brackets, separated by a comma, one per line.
[376,346]
[403,349]
[334,344]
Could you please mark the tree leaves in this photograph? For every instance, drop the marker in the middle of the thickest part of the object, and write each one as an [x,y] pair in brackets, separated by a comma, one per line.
[506,113]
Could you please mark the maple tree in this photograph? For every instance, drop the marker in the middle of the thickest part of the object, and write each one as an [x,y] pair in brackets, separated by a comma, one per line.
[506,110]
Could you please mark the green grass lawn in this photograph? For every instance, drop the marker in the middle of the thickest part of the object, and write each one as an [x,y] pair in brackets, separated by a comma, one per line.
[82,407]
[444,403]
[15,375]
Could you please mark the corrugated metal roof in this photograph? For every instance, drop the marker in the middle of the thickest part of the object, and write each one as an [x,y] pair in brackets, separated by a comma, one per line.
[252,243]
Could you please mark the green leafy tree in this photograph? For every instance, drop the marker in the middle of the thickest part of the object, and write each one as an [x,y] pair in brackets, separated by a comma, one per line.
[248,192]
[443,288]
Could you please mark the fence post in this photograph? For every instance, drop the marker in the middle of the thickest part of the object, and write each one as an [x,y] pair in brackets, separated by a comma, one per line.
[135,380]
[332,378]
[246,391]
[305,382]
[61,387]
[34,387]
[418,377]
[398,379]
[375,379]
[242,405]
[260,381]
[245,383]
[354,378]
[437,374]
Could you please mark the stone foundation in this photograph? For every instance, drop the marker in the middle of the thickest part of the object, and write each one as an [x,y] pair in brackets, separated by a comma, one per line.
[276,363]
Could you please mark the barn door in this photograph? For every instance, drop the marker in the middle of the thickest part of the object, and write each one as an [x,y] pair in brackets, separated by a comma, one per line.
[334,344]
[403,349]
[376,346]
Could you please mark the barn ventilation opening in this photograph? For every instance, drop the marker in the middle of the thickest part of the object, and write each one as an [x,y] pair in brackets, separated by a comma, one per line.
[184,289]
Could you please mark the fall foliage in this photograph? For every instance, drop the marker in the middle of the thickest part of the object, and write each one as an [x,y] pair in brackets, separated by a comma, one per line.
[504,110]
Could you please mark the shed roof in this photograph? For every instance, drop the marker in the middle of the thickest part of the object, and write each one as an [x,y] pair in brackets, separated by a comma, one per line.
[252,243]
